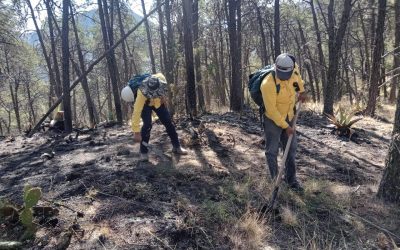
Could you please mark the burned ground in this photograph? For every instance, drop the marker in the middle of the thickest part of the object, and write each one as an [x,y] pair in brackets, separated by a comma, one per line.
[208,199]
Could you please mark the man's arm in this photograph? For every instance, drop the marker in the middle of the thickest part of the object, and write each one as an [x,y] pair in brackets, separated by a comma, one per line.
[137,111]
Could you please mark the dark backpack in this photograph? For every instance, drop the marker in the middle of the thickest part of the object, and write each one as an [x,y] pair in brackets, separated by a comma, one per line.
[135,82]
[255,80]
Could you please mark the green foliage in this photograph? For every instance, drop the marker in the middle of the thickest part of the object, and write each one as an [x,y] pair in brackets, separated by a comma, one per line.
[343,119]
[31,197]
[26,217]
[217,211]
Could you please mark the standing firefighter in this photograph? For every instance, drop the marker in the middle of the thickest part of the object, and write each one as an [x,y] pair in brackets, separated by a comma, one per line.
[279,89]
[148,93]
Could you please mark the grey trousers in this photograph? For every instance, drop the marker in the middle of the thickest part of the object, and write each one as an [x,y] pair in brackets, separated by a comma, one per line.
[275,137]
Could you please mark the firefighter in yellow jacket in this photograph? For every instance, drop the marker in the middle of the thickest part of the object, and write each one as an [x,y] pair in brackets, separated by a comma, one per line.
[279,91]
[151,97]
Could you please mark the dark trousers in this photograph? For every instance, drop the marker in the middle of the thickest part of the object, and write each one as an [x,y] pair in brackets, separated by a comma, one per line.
[274,137]
[163,115]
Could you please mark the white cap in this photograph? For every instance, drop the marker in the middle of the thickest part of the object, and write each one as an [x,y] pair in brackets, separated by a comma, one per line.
[284,66]
[127,94]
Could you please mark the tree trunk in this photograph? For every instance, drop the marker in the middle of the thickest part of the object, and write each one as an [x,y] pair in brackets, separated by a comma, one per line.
[58,87]
[236,94]
[44,50]
[93,117]
[111,62]
[170,55]
[15,101]
[127,72]
[74,108]
[396,54]
[65,67]
[199,80]
[376,60]
[389,188]
[221,59]
[110,115]
[366,44]
[163,46]
[207,79]
[321,57]
[310,67]
[335,45]
[277,22]
[264,56]
[30,102]
[146,23]
[191,102]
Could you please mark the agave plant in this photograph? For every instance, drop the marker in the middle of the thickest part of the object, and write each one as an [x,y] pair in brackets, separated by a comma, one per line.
[343,120]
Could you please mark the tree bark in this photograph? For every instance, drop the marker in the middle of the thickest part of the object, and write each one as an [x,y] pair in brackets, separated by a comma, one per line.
[30,102]
[191,102]
[93,117]
[151,53]
[170,55]
[127,71]
[221,58]
[389,188]
[163,46]
[396,54]
[264,56]
[366,44]
[335,45]
[111,62]
[277,22]
[321,57]
[310,67]
[199,79]
[376,60]
[44,50]
[58,87]
[236,94]
[15,101]
[65,67]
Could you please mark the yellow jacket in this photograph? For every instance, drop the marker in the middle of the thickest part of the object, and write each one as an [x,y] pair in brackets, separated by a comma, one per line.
[138,108]
[140,101]
[279,106]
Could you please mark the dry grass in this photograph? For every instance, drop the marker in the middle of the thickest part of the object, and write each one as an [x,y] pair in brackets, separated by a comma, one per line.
[289,217]
[249,232]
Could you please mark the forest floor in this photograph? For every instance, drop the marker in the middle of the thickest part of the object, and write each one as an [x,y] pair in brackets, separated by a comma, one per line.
[103,198]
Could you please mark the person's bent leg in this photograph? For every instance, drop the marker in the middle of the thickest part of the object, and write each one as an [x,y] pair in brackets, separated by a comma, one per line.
[290,165]
[146,128]
[165,119]
[272,136]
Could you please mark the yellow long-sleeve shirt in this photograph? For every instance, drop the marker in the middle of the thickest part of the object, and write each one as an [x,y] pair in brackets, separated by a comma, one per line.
[138,108]
[279,106]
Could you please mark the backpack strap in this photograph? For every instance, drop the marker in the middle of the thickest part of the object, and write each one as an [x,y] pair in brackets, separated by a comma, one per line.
[278,86]
[262,108]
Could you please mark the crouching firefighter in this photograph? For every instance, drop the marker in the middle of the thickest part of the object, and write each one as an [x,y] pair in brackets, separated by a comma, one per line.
[274,88]
[148,92]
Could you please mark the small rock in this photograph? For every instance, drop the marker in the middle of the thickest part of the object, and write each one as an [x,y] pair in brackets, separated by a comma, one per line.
[123,151]
[102,238]
[47,156]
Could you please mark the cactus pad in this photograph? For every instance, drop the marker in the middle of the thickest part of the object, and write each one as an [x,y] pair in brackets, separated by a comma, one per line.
[31,197]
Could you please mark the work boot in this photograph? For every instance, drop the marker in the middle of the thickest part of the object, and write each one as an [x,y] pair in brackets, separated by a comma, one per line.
[144,157]
[179,151]
[296,186]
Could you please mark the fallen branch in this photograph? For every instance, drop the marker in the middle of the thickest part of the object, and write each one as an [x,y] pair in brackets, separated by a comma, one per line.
[90,68]
[371,223]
